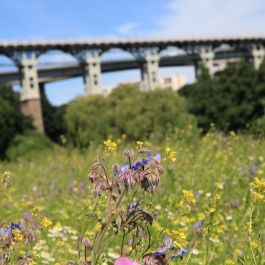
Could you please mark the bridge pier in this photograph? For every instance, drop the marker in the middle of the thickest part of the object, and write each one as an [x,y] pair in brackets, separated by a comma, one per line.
[150,72]
[92,74]
[258,53]
[30,100]
[207,57]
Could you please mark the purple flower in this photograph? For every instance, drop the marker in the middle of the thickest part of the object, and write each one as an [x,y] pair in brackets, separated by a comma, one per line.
[10,228]
[125,166]
[133,206]
[180,253]
[167,245]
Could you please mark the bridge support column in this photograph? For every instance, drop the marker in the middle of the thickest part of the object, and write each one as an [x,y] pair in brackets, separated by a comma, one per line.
[150,72]
[207,57]
[92,74]
[258,53]
[30,95]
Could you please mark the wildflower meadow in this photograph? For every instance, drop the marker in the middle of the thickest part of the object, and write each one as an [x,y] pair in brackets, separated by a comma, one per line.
[186,200]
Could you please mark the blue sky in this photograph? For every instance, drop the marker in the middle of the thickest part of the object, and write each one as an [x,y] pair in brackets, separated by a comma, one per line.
[103,19]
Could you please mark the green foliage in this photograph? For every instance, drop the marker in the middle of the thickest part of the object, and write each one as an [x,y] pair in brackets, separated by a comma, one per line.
[231,100]
[28,146]
[86,120]
[53,118]
[127,111]
[12,120]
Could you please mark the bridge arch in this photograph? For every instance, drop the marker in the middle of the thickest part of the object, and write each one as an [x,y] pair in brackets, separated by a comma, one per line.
[112,53]
[56,56]
[7,63]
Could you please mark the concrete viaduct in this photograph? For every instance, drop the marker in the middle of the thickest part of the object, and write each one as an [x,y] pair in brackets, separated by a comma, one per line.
[147,56]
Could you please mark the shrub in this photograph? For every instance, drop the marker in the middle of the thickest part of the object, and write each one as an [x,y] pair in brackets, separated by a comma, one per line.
[28,146]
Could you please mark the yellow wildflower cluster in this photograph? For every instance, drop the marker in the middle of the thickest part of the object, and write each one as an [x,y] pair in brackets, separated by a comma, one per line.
[188,197]
[139,144]
[17,235]
[179,238]
[46,222]
[171,154]
[35,211]
[188,200]
[219,185]
[258,187]
[5,179]
[110,145]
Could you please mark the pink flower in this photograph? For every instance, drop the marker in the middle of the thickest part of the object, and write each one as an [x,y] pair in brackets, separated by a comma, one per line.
[125,261]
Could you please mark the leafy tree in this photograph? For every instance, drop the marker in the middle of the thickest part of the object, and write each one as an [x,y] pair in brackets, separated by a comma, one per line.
[128,111]
[154,114]
[12,121]
[86,120]
[232,99]
[29,146]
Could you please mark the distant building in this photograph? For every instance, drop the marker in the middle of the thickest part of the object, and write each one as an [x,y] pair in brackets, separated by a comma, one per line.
[175,82]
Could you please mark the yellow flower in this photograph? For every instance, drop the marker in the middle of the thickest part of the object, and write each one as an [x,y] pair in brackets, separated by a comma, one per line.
[259,185]
[46,222]
[257,196]
[35,211]
[17,235]
[229,262]
[111,145]
[139,144]
[5,179]
[211,210]
[188,197]
[219,185]
[171,154]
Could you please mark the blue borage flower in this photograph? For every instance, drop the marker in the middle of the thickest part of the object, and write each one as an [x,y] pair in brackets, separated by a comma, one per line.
[180,253]
[167,245]
[10,228]
[133,206]
[141,163]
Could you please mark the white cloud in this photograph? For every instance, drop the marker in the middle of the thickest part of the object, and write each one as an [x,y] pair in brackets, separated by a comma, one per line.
[127,28]
[191,18]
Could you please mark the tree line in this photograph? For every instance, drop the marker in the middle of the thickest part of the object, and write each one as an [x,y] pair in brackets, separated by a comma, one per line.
[233,99]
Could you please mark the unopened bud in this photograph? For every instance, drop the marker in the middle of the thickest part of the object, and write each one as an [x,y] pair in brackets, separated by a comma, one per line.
[95,166]
[87,243]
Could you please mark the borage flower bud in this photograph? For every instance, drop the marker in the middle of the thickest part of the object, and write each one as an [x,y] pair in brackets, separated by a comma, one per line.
[87,243]
[92,177]
[127,153]
[100,186]
[95,166]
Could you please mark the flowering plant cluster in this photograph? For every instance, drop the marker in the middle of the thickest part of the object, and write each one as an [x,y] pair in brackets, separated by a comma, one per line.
[141,171]
[17,238]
